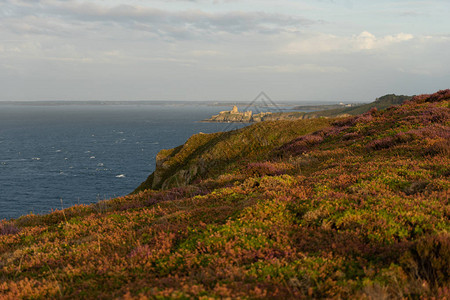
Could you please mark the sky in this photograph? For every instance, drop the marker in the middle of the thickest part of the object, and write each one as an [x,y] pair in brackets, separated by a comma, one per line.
[222,50]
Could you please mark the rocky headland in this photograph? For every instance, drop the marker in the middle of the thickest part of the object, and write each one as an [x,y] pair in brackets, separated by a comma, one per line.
[235,116]
[320,111]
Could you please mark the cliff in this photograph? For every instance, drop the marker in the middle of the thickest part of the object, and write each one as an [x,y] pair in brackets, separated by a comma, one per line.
[208,155]
[349,208]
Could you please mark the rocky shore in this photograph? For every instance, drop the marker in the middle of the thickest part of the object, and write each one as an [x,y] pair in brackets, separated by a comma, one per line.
[235,116]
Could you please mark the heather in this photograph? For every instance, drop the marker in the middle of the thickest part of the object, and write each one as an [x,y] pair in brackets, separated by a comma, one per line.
[328,208]
[380,103]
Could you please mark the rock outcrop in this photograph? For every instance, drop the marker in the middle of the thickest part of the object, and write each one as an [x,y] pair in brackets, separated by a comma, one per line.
[235,116]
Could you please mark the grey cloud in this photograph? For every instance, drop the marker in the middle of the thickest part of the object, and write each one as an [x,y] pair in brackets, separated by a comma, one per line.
[231,22]
[186,24]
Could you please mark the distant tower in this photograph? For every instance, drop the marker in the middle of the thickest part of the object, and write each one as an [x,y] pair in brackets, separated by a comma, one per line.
[234,110]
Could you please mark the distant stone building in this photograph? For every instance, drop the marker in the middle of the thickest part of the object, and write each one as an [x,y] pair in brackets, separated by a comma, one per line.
[237,117]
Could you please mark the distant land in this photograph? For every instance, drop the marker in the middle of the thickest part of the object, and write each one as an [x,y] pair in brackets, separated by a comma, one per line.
[309,111]
[97,102]
[308,105]
[324,106]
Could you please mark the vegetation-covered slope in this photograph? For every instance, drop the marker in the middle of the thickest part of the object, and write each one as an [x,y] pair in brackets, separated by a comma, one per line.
[210,155]
[380,104]
[358,209]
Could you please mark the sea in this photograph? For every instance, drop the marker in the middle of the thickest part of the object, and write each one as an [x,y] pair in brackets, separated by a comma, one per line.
[56,156]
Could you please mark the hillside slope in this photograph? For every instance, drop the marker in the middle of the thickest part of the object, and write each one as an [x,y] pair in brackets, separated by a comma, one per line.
[206,155]
[209,155]
[380,104]
[358,209]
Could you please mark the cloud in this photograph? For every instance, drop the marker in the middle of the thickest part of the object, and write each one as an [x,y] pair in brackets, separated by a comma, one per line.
[137,49]
[203,53]
[323,43]
[296,68]
[313,44]
[178,24]
[367,41]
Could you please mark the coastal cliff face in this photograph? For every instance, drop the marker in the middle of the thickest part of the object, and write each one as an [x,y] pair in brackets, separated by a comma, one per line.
[180,165]
[208,155]
[349,208]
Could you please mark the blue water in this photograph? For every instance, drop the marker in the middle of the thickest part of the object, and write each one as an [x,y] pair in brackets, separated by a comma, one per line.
[81,154]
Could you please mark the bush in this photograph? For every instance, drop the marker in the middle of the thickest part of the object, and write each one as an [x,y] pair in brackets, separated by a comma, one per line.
[267,168]
[349,121]
[389,141]
[430,259]
[8,228]
[436,97]
[301,145]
